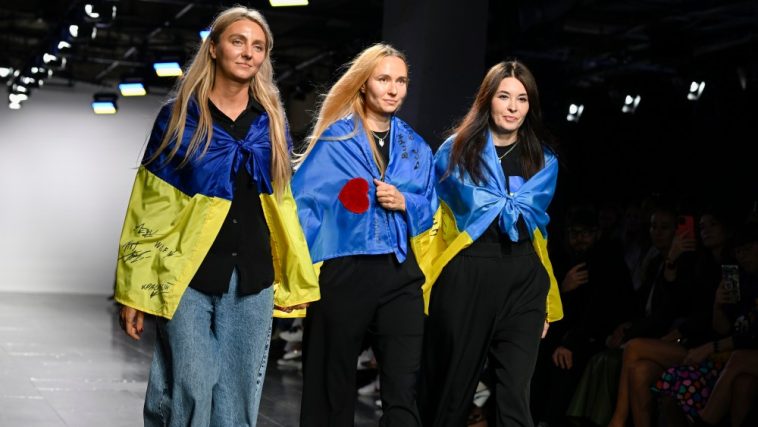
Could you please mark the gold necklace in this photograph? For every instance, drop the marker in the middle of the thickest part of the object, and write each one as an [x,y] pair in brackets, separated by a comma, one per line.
[500,158]
[381,138]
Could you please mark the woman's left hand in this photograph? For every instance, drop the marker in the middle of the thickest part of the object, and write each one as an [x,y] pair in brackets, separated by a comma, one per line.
[389,197]
[290,309]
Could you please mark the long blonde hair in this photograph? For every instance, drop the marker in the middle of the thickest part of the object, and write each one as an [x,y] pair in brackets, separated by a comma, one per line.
[345,98]
[198,82]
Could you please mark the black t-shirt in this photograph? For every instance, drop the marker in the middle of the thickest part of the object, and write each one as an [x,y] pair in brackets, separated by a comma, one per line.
[512,169]
[243,241]
[382,140]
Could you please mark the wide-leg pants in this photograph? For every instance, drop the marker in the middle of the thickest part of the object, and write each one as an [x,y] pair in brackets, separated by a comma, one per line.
[358,294]
[210,360]
[489,301]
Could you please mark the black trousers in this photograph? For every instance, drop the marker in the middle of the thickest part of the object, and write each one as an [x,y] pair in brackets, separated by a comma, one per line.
[371,293]
[488,302]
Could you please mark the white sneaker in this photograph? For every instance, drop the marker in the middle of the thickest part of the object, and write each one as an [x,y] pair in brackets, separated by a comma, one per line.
[294,333]
[365,359]
[370,389]
[291,355]
[481,395]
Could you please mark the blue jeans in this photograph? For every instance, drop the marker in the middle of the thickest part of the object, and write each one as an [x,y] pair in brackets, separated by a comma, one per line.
[210,360]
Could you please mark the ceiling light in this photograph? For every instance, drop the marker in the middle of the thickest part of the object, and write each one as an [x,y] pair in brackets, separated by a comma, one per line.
[104,103]
[278,3]
[631,103]
[696,89]
[167,69]
[5,72]
[575,112]
[14,106]
[132,89]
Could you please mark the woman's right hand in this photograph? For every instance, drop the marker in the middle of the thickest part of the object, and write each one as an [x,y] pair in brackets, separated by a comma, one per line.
[131,321]
[577,276]
[679,244]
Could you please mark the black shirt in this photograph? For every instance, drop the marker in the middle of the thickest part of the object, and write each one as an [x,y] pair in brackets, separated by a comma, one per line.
[511,165]
[243,241]
[384,148]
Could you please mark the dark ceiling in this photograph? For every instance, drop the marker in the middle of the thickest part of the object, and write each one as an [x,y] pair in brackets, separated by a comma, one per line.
[581,44]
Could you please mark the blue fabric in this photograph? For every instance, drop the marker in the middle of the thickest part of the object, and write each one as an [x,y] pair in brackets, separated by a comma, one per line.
[343,153]
[475,206]
[210,360]
[209,175]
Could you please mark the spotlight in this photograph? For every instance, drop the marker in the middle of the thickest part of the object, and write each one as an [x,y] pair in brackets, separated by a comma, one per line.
[167,69]
[104,103]
[696,89]
[54,61]
[100,13]
[132,89]
[20,88]
[575,112]
[630,104]
[80,31]
[279,3]
[63,45]
[204,34]
[17,98]
[5,72]
[14,106]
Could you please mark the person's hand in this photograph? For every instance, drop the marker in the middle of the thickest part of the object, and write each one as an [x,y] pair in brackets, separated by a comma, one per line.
[292,308]
[389,197]
[545,328]
[724,295]
[680,244]
[131,321]
[577,276]
[698,354]
[563,358]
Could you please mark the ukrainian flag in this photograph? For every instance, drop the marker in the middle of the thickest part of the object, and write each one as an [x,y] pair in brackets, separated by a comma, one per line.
[175,214]
[467,209]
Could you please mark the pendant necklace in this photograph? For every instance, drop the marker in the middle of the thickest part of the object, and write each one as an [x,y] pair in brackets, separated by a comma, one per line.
[381,138]
[500,158]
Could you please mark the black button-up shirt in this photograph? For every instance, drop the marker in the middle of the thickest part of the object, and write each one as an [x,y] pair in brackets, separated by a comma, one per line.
[243,241]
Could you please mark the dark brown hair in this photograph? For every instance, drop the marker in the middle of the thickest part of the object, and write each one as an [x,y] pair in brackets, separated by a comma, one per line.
[471,133]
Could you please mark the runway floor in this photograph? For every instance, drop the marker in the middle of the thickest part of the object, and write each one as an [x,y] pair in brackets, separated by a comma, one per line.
[65,362]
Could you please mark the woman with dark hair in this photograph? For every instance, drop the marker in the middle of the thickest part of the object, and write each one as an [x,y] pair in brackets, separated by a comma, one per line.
[496,294]
[211,240]
[365,196]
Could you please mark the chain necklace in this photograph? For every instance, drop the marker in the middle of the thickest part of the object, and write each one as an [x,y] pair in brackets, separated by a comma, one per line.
[381,138]
[500,158]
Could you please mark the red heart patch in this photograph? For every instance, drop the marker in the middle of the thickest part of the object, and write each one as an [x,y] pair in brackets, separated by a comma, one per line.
[354,195]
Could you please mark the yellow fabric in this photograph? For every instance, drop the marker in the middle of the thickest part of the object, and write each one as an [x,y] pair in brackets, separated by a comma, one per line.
[436,247]
[165,237]
[167,234]
[295,279]
[554,306]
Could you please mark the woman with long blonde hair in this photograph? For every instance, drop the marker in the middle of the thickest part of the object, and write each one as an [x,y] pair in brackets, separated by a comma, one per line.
[211,242]
[364,189]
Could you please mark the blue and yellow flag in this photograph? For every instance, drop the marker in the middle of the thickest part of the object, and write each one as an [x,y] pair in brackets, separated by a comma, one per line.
[467,209]
[336,195]
[175,214]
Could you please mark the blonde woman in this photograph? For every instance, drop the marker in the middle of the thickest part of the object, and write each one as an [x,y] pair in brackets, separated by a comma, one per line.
[365,196]
[211,225]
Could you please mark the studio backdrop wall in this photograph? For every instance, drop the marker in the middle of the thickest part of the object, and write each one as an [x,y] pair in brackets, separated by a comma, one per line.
[65,179]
